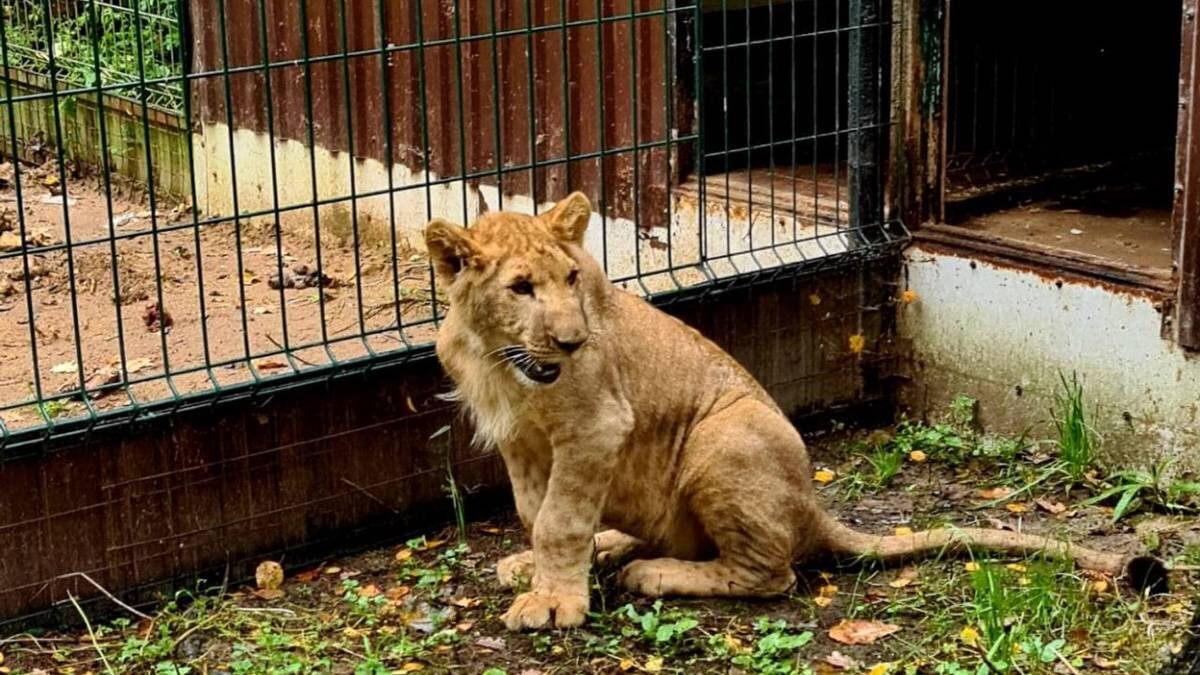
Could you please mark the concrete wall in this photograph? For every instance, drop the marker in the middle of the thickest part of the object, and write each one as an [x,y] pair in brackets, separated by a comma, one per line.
[1003,334]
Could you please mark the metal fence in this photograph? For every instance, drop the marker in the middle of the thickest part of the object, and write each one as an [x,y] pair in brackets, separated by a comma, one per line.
[722,142]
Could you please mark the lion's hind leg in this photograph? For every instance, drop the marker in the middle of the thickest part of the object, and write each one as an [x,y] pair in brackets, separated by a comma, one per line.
[711,578]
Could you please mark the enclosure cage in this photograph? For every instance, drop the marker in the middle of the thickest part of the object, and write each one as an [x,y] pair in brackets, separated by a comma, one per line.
[1061,126]
[720,142]
[258,237]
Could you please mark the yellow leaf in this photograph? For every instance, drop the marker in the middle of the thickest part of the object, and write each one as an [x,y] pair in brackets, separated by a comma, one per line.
[433,543]
[1017,648]
[824,476]
[917,456]
[822,602]
[333,570]
[828,591]
[908,297]
[1016,567]
[734,644]
[654,664]
[404,555]
[412,667]
[1023,581]
[903,531]
[858,342]
[905,578]
[1101,585]
[557,649]
[969,635]
[1016,507]
[626,664]
[996,492]
[815,299]
[880,669]
[971,566]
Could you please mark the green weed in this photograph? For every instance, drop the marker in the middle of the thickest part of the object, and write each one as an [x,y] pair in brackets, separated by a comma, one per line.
[1077,440]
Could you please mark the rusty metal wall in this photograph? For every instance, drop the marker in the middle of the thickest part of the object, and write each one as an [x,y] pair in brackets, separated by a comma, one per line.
[301,474]
[547,89]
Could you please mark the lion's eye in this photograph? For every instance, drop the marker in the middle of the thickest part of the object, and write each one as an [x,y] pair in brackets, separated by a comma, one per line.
[572,277]
[522,288]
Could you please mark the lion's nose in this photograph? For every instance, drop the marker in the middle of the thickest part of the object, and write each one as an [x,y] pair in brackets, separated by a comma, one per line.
[569,345]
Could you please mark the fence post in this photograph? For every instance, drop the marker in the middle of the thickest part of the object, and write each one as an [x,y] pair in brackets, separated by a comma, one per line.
[865,156]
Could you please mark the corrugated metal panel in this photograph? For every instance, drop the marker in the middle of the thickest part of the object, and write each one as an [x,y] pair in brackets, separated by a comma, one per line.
[612,57]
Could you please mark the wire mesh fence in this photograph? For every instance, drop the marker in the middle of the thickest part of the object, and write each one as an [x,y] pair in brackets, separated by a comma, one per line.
[721,142]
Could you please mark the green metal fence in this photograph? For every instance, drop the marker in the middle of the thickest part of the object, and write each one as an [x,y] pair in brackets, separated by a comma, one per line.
[722,143]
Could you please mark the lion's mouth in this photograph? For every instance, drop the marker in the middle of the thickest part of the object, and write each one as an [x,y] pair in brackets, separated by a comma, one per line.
[537,371]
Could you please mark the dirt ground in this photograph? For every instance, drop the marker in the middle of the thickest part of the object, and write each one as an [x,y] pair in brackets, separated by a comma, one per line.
[433,605]
[223,309]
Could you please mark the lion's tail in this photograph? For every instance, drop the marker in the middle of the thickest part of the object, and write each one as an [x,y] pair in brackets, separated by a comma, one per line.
[1140,571]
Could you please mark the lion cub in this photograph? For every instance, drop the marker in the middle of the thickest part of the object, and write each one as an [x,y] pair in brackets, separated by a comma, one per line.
[609,412]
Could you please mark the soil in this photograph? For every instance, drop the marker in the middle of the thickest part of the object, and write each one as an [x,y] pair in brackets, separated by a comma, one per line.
[46,290]
[924,601]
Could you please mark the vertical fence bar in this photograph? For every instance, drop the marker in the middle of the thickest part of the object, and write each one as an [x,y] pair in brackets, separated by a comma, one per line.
[864,160]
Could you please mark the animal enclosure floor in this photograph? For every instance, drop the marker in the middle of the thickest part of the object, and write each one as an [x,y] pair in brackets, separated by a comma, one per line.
[1122,222]
[224,310]
[432,605]
[807,193]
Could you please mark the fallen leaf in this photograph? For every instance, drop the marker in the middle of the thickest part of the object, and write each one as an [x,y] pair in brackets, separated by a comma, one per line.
[491,530]
[1105,664]
[905,578]
[917,456]
[858,343]
[268,575]
[840,660]
[824,476]
[397,592]
[996,492]
[814,298]
[860,632]
[268,593]
[625,664]
[822,602]
[10,241]
[1016,567]
[1051,507]
[432,544]
[880,669]
[1017,507]
[971,566]
[827,591]
[466,603]
[369,591]
[412,667]
[307,576]
[496,644]
[903,531]
[137,365]
[271,364]
[403,555]
[464,626]
[66,367]
[1100,586]
[333,570]
[969,636]
[654,664]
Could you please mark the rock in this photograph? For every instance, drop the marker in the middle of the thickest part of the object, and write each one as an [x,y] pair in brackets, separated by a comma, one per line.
[6,288]
[9,241]
[157,318]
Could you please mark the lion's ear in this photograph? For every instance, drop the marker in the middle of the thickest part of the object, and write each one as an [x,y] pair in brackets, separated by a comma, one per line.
[568,220]
[450,248]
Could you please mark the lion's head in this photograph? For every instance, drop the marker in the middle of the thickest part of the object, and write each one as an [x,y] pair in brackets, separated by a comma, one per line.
[519,284]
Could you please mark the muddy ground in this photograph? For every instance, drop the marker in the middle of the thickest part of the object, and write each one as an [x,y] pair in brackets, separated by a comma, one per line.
[432,605]
[223,307]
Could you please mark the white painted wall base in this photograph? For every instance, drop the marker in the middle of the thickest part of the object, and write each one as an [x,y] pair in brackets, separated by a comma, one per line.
[1003,334]
[241,182]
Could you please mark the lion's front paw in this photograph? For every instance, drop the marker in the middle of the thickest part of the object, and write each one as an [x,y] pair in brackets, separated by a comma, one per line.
[538,609]
[515,569]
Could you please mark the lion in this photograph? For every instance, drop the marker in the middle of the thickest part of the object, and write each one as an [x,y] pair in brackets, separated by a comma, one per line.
[627,434]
